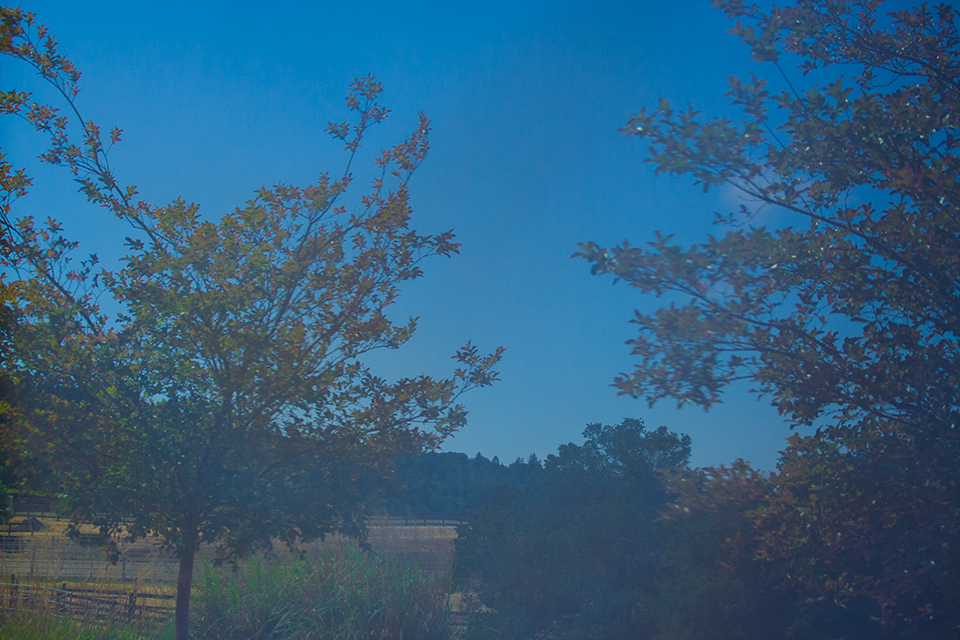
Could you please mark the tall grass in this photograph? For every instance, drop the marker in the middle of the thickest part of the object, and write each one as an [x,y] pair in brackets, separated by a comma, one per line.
[340,594]
[335,592]
[40,626]
[41,620]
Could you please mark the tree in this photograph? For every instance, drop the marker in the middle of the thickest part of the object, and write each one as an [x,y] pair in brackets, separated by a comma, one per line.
[871,526]
[707,584]
[847,310]
[227,401]
[570,553]
[10,184]
[6,396]
[855,314]
[719,576]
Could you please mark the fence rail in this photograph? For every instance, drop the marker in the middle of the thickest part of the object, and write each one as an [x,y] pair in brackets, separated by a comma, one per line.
[103,604]
[15,596]
[90,604]
[419,518]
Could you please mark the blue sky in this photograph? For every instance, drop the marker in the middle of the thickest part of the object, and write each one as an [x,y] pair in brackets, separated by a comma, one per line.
[526,99]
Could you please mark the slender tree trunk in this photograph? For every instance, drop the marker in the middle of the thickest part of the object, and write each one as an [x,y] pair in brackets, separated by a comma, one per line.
[181,623]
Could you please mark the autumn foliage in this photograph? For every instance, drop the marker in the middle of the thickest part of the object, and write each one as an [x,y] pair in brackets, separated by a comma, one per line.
[844,307]
[228,401]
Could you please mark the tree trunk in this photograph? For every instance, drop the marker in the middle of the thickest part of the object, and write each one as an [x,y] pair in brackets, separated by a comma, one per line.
[184,585]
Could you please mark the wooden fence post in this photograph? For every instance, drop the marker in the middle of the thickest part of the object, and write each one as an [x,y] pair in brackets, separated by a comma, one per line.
[132,605]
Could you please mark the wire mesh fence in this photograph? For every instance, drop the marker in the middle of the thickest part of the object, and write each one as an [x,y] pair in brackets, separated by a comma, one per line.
[89,603]
[58,557]
[35,546]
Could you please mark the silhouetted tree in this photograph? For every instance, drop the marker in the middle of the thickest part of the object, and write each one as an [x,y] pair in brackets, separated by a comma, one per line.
[572,551]
[844,306]
[227,402]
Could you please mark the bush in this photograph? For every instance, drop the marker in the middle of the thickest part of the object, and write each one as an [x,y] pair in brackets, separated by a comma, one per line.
[344,594]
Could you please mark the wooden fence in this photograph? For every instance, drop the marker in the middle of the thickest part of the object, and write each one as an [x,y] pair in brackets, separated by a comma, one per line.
[21,505]
[44,554]
[87,603]
[15,596]
[139,585]
[104,604]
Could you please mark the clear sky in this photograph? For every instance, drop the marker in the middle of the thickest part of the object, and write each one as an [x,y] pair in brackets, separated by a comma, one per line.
[526,99]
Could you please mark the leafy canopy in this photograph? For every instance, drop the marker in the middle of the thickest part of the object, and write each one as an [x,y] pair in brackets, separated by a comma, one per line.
[848,305]
[844,307]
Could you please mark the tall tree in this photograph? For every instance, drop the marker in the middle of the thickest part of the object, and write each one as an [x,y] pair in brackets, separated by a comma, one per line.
[846,309]
[571,553]
[850,306]
[228,402]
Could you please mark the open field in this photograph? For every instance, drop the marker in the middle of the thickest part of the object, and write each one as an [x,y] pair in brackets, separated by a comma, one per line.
[48,555]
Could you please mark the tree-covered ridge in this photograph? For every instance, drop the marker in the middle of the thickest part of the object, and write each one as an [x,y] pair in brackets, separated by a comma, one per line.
[451,483]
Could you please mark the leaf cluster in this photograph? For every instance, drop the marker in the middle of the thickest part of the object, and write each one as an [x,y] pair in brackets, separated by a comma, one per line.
[847,307]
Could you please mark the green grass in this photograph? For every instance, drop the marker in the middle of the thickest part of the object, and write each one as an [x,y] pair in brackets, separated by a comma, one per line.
[343,594]
[38,625]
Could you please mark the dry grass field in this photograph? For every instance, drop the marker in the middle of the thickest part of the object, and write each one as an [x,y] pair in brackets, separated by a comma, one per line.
[49,556]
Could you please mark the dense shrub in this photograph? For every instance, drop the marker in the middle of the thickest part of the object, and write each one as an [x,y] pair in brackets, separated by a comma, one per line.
[344,595]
